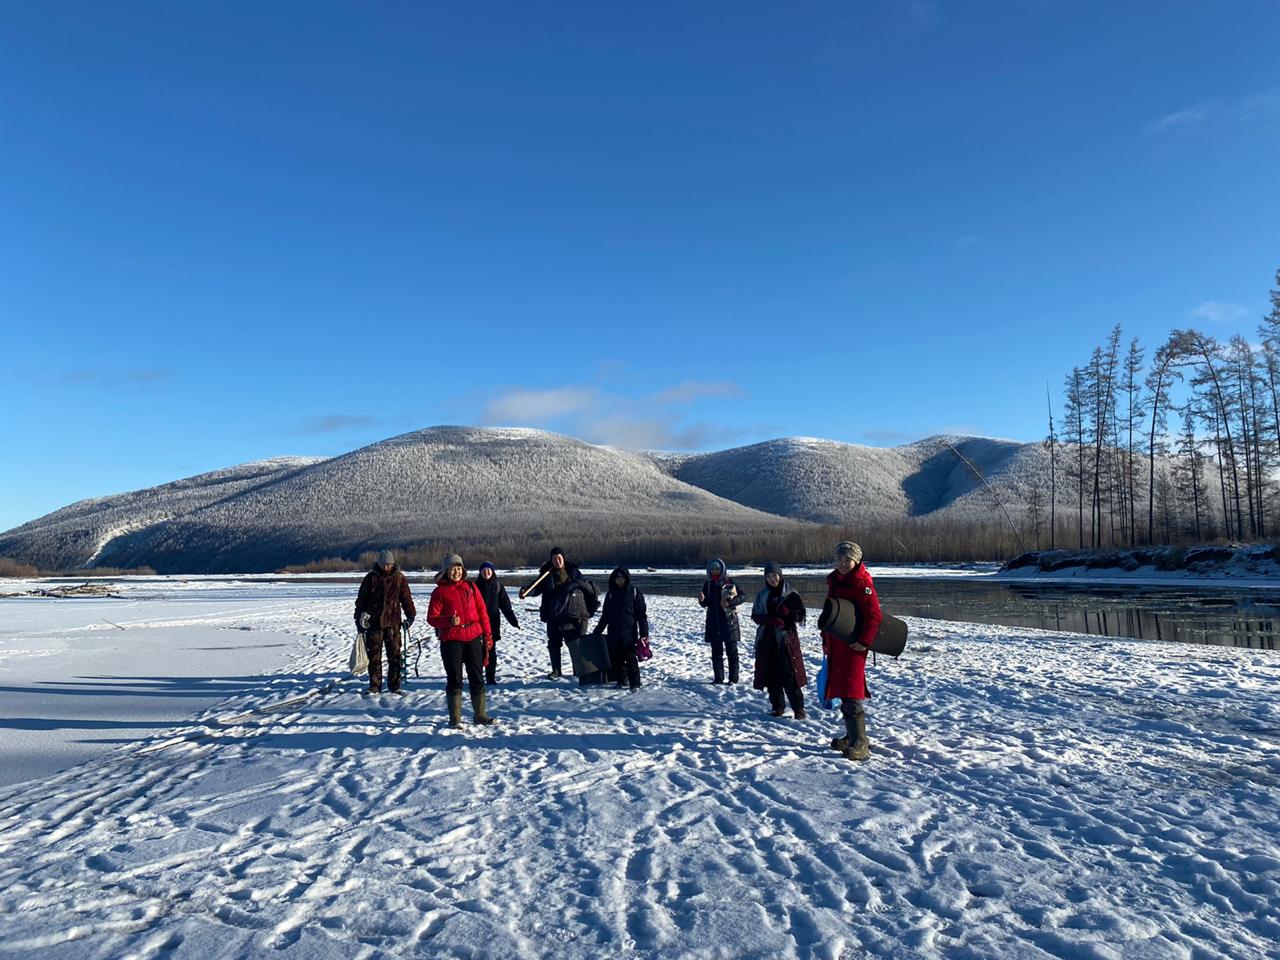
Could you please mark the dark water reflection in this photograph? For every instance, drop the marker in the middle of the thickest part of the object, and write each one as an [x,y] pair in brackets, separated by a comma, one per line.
[1214,615]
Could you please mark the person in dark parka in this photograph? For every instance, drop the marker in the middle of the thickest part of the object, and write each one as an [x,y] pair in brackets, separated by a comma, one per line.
[564,608]
[721,596]
[625,616]
[779,662]
[498,603]
[384,593]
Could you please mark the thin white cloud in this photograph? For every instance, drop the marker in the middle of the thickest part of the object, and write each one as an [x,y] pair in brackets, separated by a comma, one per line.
[1218,311]
[335,423]
[692,390]
[919,14]
[140,380]
[1180,121]
[541,406]
[1261,107]
[651,422]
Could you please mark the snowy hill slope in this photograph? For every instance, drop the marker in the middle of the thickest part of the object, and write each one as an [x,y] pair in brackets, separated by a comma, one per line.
[829,482]
[83,533]
[443,483]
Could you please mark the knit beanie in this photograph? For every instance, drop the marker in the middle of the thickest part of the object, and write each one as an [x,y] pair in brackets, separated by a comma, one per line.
[386,559]
[847,548]
[450,560]
[772,566]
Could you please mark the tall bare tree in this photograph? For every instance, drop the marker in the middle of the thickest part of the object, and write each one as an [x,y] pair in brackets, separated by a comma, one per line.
[1051,444]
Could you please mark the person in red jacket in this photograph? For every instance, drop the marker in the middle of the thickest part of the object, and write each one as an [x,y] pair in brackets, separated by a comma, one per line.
[847,660]
[458,613]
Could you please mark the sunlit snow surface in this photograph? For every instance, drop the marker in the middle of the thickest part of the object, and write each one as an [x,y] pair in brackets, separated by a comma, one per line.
[1029,795]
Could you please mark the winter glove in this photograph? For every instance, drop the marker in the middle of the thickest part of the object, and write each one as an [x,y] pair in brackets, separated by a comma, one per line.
[408,623]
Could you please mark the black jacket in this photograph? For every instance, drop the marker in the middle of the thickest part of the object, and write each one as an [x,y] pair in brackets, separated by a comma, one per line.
[722,623]
[559,607]
[623,612]
[497,602]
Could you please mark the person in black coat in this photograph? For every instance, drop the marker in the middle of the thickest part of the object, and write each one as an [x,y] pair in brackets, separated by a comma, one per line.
[624,614]
[721,596]
[498,605]
[565,607]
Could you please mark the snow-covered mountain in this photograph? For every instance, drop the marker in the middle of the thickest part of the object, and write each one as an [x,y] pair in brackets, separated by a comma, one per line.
[458,484]
[829,482]
[483,486]
[84,533]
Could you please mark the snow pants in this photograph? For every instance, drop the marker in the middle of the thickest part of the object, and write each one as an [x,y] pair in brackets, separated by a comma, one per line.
[459,655]
[374,641]
[720,647]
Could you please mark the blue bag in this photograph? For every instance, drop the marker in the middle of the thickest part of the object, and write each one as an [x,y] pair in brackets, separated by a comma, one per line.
[827,702]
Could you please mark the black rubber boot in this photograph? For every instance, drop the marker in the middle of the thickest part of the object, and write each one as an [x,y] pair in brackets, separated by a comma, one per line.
[479,708]
[455,709]
[860,747]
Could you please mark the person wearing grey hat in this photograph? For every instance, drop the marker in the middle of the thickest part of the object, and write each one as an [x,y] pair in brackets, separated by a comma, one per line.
[384,594]
[847,659]
[458,613]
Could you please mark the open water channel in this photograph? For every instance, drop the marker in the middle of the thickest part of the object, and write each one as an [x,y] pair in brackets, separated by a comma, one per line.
[1194,614]
[1187,614]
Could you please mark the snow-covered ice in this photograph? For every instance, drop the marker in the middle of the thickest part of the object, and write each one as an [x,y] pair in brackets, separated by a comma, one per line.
[1030,795]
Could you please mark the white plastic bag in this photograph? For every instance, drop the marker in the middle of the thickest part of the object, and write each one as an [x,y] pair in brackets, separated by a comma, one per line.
[358,663]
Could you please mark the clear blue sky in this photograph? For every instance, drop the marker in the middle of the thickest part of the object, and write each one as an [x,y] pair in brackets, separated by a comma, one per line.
[230,231]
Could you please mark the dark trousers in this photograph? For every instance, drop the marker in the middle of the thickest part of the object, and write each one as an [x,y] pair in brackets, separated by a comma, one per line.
[625,667]
[374,641]
[780,676]
[491,671]
[719,647]
[457,656]
[556,636]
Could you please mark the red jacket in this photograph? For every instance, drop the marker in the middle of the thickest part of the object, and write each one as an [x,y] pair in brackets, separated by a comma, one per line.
[462,599]
[846,670]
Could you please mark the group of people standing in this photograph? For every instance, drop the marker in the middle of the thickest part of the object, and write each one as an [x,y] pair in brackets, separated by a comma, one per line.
[467,617]
[777,611]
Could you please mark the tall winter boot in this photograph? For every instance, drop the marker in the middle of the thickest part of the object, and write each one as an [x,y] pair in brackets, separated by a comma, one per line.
[479,707]
[860,748]
[839,744]
[455,709]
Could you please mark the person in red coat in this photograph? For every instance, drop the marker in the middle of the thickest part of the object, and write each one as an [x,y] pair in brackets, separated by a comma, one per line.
[458,613]
[847,660]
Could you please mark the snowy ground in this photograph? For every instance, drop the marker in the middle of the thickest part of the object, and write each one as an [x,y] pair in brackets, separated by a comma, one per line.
[1029,795]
